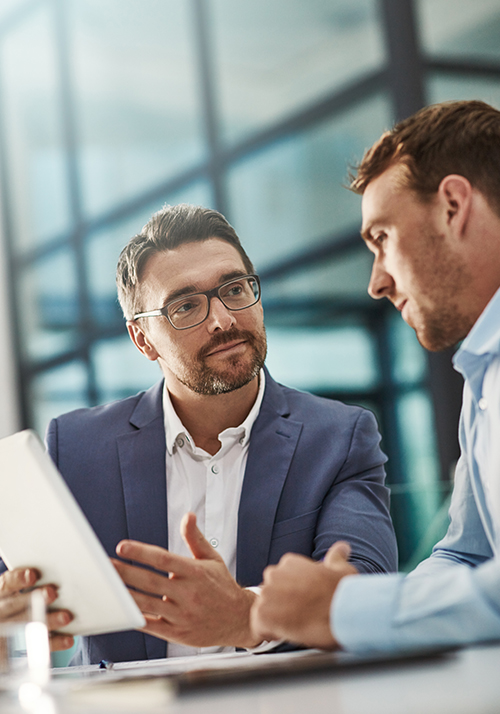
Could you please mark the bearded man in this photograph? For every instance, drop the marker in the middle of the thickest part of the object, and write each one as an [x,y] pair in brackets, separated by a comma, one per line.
[216,471]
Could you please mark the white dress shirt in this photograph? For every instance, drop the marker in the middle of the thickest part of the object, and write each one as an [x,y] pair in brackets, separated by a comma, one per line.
[209,486]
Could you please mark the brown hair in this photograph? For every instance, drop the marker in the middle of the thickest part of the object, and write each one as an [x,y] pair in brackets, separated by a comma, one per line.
[167,229]
[451,138]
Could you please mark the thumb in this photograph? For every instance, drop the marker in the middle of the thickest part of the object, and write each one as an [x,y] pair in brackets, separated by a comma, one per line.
[338,554]
[195,540]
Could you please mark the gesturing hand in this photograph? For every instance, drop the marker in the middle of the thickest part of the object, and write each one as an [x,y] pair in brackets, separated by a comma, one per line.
[192,601]
[294,603]
[13,602]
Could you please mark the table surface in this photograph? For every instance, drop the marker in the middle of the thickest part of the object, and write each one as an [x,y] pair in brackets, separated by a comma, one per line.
[463,682]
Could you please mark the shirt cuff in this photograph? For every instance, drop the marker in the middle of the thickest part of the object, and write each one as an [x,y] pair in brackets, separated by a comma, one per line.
[362,612]
[265,645]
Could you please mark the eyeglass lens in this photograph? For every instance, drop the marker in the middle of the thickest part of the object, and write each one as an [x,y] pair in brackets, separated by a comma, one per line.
[193,309]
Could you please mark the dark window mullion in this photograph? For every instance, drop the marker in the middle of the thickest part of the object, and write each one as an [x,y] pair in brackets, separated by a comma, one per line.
[77,237]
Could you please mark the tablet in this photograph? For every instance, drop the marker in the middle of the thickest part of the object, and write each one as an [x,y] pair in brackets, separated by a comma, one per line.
[42,526]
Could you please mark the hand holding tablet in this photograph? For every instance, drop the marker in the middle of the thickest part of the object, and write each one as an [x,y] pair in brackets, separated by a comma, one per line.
[43,527]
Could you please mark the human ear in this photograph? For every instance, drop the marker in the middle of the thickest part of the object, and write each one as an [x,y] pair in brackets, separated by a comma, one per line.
[141,341]
[455,195]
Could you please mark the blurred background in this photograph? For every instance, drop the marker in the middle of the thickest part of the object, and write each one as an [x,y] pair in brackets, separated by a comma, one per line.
[110,108]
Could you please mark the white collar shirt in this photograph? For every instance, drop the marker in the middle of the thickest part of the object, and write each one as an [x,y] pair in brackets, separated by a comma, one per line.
[209,486]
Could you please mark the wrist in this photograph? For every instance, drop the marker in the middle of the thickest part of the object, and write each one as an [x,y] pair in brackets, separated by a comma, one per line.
[244,636]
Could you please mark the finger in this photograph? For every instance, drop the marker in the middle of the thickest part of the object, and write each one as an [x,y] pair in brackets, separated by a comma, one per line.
[195,540]
[155,607]
[57,619]
[158,627]
[338,554]
[145,580]
[14,580]
[61,642]
[153,555]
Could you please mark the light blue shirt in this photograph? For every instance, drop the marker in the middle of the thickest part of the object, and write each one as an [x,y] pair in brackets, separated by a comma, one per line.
[453,597]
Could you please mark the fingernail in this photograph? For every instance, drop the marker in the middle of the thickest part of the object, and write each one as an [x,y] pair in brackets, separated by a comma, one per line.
[27,576]
[63,618]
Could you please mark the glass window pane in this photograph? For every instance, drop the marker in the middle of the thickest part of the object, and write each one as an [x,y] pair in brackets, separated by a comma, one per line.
[291,195]
[7,7]
[419,452]
[410,360]
[37,180]
[272,58]
[322,359]
[48,305]
[104,247]
[121,370]
[136,93]
[442,89]
[56,392]
[344,277]
[461,27]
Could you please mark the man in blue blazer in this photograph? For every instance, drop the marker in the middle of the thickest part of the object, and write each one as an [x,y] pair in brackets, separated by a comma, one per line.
[262,468]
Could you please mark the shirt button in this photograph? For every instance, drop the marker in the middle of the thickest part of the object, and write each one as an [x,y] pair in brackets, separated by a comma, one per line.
[215,469]
[483,404]
[180,442]
[242,440]
[214,542]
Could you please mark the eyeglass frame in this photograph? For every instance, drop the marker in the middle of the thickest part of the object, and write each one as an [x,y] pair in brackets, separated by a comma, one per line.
[214,292]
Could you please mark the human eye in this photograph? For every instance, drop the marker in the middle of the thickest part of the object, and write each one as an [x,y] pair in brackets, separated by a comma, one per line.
[184,307]
[379,238]
[234,289]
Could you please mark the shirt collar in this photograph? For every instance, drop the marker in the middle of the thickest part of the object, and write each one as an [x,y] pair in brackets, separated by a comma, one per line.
[485,334]
[174,428]
[480,345]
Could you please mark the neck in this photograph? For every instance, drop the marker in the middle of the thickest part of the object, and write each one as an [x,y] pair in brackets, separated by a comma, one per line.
[205,417]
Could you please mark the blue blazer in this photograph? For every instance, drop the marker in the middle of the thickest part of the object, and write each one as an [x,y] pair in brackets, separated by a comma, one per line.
[314,475]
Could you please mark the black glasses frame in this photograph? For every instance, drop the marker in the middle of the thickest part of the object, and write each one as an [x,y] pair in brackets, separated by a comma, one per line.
[213,293]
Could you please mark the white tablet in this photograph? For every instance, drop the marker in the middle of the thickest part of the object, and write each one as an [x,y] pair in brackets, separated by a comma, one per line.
[42,526]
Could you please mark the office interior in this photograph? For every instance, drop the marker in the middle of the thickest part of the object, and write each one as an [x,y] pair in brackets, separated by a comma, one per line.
[111,108]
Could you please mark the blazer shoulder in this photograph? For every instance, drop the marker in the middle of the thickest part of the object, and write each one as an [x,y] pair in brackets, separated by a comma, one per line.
[304,405]
[142,408]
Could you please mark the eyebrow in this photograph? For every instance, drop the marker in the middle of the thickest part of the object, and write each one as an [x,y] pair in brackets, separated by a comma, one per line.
[193,290]
[366,234]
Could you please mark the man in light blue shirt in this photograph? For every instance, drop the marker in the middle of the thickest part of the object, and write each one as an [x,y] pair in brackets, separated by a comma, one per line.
[431,217]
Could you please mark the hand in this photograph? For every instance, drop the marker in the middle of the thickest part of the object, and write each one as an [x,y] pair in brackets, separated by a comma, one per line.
[13,601]
[196,601]
[294,603]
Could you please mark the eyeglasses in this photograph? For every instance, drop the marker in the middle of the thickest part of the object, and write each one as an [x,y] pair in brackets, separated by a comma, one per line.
[192,310]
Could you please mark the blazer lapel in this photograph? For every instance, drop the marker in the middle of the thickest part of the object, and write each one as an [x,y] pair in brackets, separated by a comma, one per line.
[272,445]
[142,464]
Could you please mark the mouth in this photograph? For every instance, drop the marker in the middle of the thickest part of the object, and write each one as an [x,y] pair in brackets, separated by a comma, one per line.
[226,348]
[400,305]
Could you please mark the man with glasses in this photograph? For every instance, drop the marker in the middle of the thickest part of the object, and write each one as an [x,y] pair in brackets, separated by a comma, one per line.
[217,471]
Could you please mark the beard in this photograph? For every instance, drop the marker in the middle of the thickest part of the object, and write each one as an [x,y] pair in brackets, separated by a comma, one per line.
[442,329]
[235,373]
[444,316]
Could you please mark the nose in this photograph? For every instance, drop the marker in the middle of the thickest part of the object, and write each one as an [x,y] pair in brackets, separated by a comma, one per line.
[381,282]
[219,317]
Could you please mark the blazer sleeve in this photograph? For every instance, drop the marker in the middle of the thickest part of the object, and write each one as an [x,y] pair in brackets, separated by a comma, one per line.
[356,508]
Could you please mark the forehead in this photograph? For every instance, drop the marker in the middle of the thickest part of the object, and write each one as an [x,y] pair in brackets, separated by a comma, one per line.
[191,266]
[383,196]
